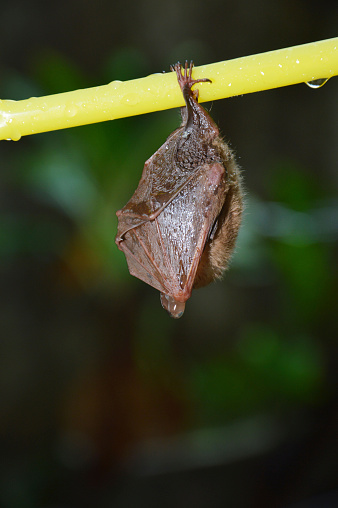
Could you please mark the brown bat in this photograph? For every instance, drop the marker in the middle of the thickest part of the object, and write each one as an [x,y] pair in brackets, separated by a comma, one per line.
[179,228]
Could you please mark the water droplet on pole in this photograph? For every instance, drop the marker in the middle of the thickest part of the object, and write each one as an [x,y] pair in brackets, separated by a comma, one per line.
[317,83]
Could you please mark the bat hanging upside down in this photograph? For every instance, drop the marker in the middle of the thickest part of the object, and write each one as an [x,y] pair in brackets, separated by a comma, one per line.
[179,228]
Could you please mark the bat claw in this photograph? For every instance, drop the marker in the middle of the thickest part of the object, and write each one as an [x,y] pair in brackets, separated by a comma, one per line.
[184,79]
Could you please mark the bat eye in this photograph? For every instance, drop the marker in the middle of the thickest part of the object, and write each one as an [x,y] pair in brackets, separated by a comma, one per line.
[175,308]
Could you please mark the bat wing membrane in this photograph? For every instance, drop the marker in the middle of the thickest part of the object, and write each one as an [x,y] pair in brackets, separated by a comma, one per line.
[165,251]
[156,188]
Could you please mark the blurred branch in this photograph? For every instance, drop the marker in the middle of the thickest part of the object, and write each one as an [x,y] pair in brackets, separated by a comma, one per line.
[157,92]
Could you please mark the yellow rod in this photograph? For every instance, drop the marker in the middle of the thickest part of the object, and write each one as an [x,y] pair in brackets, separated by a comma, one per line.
[157,92]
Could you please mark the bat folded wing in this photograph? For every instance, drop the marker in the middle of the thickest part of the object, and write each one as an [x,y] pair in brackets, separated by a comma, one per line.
[165,251]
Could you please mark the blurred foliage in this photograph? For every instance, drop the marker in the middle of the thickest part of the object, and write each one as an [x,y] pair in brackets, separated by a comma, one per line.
[265,372]
[87,173]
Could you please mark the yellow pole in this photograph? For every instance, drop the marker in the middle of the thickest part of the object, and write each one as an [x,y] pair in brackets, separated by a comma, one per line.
[156,92]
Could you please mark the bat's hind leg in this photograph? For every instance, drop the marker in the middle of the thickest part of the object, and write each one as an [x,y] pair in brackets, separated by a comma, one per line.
[184,79]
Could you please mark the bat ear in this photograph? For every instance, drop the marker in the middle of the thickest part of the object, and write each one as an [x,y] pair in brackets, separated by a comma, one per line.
[175,308]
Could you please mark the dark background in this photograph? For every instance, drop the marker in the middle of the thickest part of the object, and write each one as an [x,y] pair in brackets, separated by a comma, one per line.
[104,400]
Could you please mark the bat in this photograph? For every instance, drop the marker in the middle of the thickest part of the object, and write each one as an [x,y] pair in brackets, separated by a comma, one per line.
[179,229]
